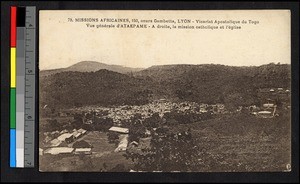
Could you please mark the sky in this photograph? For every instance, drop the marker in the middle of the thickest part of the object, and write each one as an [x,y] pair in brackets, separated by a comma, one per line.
[64,43]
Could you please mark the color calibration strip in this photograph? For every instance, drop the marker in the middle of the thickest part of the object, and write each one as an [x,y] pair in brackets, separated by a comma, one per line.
[13,35]
[22,62]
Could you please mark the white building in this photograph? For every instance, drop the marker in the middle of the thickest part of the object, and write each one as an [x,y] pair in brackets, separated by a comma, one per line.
[268,105]
[265,114]
[123,143]
[59,150]
[41,151]
[55,143]
[119,129]
[64,136]
[82,131]
[85,151]
[76,134]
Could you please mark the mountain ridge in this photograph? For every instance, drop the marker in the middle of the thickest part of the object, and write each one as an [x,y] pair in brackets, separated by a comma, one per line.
[206,84]
[90,66]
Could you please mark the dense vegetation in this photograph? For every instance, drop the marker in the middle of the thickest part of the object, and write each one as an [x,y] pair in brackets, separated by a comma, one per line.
[232,86]
[168,152]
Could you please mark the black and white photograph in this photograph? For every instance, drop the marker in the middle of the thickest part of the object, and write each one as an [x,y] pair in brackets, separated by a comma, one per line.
[165,91]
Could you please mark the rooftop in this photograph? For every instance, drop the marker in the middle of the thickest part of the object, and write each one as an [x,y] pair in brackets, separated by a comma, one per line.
[64,136]
[119,129]
[59,150]
[83,149]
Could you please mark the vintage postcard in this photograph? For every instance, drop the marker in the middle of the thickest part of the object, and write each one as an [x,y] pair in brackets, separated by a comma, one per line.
[165,91]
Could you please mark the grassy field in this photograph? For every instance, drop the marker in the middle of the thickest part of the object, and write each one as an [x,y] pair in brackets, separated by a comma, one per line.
[239,143]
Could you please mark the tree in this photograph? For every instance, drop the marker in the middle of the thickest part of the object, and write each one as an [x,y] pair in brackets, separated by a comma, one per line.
[101,124]
[112,137]
[78,118]
[136,132]
[51,125]
[167,152]
[118,168]
[153,122]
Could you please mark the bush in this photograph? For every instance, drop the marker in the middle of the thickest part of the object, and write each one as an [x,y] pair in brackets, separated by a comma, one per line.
[168,152]
[112,137]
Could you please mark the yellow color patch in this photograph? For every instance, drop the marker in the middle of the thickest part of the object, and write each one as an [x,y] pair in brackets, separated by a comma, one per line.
[13,69]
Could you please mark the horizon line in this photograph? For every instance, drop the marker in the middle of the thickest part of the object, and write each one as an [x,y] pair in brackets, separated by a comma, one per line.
[278,63]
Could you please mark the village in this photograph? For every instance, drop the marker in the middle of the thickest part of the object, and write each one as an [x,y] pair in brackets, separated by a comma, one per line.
[62,141]
[162,106]
[78,141]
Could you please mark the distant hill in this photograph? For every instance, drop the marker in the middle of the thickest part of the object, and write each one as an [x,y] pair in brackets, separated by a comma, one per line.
[169,72]
[69,88]
[217,83]
[199,83]
[90,66]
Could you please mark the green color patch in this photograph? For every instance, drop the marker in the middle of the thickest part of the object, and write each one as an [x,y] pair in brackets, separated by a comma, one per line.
[12,107]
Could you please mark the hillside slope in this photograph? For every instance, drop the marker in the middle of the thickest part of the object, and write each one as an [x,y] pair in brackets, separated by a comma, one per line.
[90,66]
[199,83]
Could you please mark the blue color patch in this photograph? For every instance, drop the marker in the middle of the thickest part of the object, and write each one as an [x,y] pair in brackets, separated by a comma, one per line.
[12,147]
